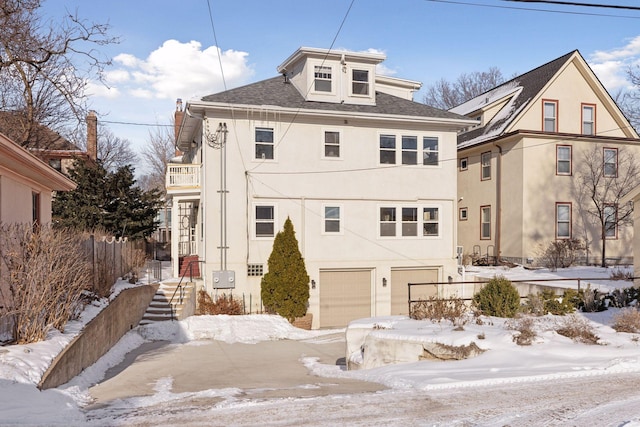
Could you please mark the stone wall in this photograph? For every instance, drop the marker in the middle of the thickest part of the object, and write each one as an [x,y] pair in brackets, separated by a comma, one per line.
[99,335]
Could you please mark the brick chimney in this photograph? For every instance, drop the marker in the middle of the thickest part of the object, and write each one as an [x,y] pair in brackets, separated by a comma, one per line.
[179,115]
[92,135]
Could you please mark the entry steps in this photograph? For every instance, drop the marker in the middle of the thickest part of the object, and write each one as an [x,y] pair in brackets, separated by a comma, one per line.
[159,309]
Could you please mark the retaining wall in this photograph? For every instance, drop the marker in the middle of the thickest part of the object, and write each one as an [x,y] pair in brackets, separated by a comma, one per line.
[99,335]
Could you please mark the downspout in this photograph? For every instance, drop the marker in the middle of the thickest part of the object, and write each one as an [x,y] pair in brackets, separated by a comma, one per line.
[498,202]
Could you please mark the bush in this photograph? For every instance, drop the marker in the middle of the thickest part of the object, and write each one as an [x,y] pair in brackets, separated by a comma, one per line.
[498,298]
[578,329]
[561,253]
[42,280]
[547,302]
[438,309]
[627,320]
[524,325]
[222,305]
[285,288]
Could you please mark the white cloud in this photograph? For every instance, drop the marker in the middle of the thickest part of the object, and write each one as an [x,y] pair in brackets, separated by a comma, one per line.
[177,70]
[611,66]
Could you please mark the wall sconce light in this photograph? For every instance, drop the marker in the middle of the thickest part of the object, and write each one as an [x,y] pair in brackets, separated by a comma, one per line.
[313,284]
[384,282]
[450,279]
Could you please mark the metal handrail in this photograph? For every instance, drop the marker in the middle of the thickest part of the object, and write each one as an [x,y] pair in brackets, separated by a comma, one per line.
[181,288]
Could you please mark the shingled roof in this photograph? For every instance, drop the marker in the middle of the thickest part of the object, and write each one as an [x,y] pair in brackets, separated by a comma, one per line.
[11,125]
[522,88]
[277,92]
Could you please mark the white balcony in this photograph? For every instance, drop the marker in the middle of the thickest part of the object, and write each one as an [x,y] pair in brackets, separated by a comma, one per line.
[183,178]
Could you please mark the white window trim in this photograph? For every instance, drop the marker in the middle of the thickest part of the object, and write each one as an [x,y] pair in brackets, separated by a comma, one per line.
[340,145]
[311,75]
[332,80]
[254,221]
[341,219]
[398,149]
[275,140]
[466,163]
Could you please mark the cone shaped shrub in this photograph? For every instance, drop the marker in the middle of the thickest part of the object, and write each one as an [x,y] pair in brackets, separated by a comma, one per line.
[285,288]
[498,298]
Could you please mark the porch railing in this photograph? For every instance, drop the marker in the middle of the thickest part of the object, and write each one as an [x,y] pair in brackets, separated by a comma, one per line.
[179,175]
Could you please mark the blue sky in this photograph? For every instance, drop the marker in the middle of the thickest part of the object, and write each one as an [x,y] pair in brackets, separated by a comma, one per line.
[167,48]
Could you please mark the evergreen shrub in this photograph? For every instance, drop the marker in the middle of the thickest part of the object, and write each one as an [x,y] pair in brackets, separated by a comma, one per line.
[498,298]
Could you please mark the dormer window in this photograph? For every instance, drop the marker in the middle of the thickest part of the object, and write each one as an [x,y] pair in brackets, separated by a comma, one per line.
[322,78]
[360,82]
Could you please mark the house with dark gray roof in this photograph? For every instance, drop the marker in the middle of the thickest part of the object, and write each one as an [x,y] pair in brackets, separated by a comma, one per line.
[366,175]
[525,167]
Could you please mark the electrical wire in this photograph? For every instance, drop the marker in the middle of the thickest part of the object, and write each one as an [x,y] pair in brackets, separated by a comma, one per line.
[574,3]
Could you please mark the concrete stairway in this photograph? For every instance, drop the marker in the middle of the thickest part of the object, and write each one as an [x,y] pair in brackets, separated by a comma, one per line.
[160,310]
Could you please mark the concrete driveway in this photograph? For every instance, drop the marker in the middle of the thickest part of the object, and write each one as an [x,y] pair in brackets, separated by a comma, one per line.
[269,369]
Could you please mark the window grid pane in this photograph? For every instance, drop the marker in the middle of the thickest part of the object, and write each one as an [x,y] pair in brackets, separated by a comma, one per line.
[430,222]
[485,160]
[485,223]
[610,162]
[587,120]
[264,143]
[265,221]
[564,160]
[549,117]
[409,150]
[430,151]
[332,144]
[387,221]
[360,82]
[332,219]
[563,221]
[388,149]
[322,79]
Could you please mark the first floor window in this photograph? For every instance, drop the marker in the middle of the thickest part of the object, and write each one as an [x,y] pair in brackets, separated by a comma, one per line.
[485,222]
[387,221]
[264,143]
[430,151]
[388,149]
[409,221]
[331,219]
[430,221]
[332,144]
[563,221]
[610,221]
[265,221]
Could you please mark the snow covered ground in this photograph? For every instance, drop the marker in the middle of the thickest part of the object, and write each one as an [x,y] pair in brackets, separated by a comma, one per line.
[512,377]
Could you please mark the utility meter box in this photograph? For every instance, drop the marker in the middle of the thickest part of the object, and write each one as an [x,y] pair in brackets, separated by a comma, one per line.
[224,279]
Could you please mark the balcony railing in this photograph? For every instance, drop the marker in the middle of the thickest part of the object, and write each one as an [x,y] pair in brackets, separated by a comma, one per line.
[181,176]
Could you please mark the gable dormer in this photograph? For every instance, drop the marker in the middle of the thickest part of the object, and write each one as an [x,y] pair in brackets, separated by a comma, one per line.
[333,76]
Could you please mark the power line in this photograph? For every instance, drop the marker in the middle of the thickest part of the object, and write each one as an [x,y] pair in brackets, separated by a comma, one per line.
[215,39]
[574,3]
[134,123]
[530,9]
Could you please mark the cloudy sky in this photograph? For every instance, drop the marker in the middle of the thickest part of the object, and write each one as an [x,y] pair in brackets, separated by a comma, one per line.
[190,48]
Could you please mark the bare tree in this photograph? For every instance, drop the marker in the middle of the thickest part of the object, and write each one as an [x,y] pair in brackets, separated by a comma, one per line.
[156,155]
[604,178]
[44,67]
[446,95]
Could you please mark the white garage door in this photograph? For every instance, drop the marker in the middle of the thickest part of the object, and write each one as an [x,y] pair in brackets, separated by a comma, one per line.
[399,289]
[345,295]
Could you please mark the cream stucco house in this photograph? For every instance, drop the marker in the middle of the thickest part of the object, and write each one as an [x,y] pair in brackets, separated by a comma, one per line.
[359,168]
[519,166]
[26,185]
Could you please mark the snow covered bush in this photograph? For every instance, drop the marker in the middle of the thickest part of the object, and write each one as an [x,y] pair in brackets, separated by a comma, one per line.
[578,329]
[560,253]
[439,309]
[222,305]
[627,320]
[498,297]
[547,302]
[525,328]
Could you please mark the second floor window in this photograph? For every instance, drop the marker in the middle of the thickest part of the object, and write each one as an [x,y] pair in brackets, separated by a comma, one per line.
[360,82]
[430,222]
[387,221]
[332,219]
[610,221]
[588,119]
[430,151]
[550,116]
[332,144]
[610,167]
[409,150]
[485,165]
[264,143]
[322,78]
[563,160]
[388,149]
[265,221]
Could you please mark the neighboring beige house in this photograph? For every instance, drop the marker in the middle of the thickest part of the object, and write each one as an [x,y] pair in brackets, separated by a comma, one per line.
[519,166]
[26,185]
[359,168]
